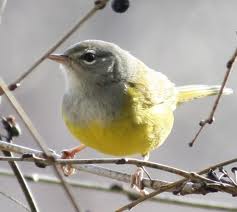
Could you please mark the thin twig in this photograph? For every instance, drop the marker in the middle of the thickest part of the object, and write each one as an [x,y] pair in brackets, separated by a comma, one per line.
[14,200]
[165,188]
[98,5]
[148,196]
[173,185]
[19,149]
[24,150]
[210,119]
[9,124]
[114,188]
[2,8]
[218,165]
[100,171]
[81,164]
[155,184]
[122,161]
[204,204]
[21,180]
[168,187]
[118,161]
[213,167]
[119,176]
[151,195]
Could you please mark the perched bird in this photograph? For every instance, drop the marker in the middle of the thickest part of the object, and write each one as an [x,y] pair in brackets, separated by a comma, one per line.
[117,105]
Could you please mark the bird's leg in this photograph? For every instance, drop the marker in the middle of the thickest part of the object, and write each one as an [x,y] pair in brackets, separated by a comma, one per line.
[137,177]
[70,154]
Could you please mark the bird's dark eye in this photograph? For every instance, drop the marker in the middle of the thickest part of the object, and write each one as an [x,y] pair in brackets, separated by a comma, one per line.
[88,57]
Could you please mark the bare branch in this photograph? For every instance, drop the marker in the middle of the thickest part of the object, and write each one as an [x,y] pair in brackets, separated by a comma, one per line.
[14,200]
[23,184]
[114,188]
[184,186]
[117,161]
[172,186]
[210,119]
[218,165]
[19,149]
[143,198]
[3,4]
[13,130]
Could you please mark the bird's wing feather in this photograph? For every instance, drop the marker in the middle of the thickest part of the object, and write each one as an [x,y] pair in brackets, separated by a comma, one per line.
[152,99]
[152,88]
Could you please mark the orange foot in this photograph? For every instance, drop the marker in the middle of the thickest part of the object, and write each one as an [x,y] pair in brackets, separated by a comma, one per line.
[68,170]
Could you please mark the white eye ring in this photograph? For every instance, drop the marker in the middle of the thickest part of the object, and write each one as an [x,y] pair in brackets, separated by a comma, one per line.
[89,63]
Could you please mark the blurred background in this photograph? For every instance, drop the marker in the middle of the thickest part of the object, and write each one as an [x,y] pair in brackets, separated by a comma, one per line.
[189,41]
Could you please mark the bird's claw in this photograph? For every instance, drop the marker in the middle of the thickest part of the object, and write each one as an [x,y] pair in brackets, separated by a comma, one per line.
[136,181]
[68,170]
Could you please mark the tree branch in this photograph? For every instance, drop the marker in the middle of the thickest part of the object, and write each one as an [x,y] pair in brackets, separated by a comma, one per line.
[14,200]
[114,188]
[194,183]
[24,186]
[3,5]
[210,119]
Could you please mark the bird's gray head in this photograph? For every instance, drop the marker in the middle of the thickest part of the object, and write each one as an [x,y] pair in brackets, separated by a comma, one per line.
[95,62]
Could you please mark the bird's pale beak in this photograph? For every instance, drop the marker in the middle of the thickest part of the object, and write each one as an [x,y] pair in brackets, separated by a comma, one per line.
[60,58]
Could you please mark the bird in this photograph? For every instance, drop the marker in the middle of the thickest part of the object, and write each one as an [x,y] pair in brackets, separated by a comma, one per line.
[116,104]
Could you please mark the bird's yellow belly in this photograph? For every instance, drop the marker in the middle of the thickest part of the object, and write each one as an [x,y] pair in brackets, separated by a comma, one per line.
[124,136]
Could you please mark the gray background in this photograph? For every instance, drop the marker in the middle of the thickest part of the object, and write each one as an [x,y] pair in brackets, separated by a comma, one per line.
[189,41]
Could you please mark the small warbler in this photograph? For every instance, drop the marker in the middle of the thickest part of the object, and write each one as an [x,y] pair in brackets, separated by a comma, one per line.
[116,104]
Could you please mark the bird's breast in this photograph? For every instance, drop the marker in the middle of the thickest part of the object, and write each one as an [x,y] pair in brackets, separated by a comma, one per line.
[114,134]
[128,126]
[101,107]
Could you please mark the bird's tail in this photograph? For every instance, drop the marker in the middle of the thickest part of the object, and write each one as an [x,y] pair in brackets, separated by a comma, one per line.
[190,92]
